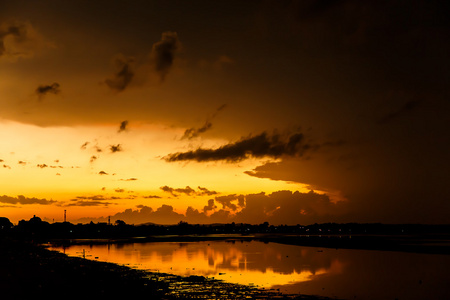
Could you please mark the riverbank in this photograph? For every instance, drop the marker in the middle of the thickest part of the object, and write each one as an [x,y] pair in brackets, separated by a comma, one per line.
[28,270]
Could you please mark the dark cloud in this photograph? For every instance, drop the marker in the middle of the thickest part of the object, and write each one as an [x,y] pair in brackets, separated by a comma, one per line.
[119,190]
[94,198]
[152,197]
[24,200]
[406,108]
[88,203]
[102,173]
[163,53]
[204,191]
[210,206]
[262,145]
[83,147]
[93,158]
[282,207]
[193,132]
[129,179]
[188,191]
[6,167]
[115,148]
[21,162]
[42,166]
[19,32]
[123,126]
[123,76]
[43,90]
[227,201]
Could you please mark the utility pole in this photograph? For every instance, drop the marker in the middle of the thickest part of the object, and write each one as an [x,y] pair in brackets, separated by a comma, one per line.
[64,216]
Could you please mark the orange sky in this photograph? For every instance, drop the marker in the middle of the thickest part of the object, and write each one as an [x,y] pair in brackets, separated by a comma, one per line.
[292,112]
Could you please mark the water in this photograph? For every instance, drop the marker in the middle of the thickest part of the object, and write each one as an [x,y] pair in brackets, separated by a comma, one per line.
[343,273]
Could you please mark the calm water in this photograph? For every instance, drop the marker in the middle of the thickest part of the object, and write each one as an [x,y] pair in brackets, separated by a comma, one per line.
[348,274]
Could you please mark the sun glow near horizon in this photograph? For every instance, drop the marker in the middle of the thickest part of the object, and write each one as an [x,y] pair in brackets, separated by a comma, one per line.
[69,164]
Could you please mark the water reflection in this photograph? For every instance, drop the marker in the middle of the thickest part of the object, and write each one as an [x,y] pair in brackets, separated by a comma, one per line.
[242,262]
[349,274]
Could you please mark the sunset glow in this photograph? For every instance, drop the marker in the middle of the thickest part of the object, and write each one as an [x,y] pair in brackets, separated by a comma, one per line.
[287,113]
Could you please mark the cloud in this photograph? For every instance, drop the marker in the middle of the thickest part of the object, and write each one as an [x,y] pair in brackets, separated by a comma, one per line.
[406,108]
[124,75]
[152,197]
[119,190]
[210,206]
[163,53]
[115,148]
[20,40]
[129,179]
[226,201]
[43,90]
[193,132]
[205,191]
[84,203]
[123,126]
[42,166]
[282,207]
[262,145]
[24,200]
[188,191]
[102,173]
[93,158]
[83,147]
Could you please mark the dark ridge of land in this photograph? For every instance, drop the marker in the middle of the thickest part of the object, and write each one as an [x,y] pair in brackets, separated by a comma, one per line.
[29,270]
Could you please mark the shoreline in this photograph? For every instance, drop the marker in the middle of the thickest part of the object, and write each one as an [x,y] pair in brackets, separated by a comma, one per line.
[30,270]
[412,244]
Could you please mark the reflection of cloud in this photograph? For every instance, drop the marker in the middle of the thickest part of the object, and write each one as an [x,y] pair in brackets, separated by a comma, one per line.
[24,200]
[262,145]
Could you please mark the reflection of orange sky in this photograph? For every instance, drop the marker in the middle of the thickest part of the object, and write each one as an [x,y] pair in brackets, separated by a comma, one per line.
[264,265]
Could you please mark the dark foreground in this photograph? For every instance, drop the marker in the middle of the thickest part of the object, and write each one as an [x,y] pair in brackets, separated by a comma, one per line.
[28,270]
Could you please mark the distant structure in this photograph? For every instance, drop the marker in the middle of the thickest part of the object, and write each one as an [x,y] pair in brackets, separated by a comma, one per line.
[109,220]
[64,216]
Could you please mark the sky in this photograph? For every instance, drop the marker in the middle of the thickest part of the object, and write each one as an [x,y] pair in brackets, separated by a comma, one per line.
[287,112]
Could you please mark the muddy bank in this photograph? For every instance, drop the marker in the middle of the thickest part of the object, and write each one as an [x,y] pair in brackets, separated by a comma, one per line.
[28,270]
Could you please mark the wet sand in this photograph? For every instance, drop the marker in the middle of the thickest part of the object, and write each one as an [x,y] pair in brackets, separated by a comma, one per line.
[28,270]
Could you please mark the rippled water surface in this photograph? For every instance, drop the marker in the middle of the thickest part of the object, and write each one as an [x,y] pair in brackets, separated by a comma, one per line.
[348,274]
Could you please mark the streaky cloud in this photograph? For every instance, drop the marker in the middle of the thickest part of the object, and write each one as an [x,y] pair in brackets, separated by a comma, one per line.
[25,200]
